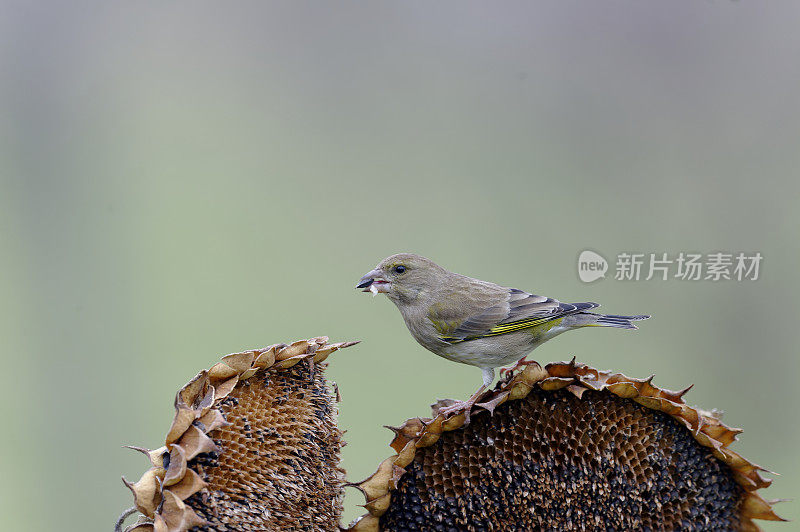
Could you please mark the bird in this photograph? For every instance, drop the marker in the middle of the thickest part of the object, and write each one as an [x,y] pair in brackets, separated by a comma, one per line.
[476,322]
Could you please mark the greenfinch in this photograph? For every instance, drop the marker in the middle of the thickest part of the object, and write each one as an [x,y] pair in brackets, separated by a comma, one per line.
[475,322]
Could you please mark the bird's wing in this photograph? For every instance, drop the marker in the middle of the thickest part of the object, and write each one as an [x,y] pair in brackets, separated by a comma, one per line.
[519,310]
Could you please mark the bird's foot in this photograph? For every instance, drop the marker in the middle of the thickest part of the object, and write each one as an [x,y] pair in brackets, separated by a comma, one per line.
[494,403]
[521,363]
[457,407]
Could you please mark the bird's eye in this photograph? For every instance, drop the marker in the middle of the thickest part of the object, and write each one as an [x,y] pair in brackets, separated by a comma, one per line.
[399,268]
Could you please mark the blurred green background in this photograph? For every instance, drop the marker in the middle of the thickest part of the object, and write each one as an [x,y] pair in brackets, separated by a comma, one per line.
[184,180]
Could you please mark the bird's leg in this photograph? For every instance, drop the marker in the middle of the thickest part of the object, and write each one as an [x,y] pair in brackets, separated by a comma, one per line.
[466,406]
[521,363]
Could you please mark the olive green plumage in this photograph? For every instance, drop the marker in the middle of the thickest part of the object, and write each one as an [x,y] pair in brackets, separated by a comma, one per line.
[472,321]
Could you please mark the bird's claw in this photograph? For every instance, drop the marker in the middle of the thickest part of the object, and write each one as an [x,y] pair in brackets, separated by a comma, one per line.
[491,404]
[456,408]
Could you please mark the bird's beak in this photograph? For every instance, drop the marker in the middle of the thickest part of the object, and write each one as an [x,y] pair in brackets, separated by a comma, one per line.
[374,282]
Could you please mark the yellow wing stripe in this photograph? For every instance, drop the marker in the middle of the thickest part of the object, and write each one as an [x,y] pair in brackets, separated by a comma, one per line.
[497,330]
[516,325]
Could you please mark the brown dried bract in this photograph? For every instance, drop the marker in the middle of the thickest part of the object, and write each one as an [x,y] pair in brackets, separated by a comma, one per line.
[567,447]
[253,445]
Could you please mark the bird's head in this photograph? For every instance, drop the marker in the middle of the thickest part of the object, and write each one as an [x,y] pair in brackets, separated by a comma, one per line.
[403,277]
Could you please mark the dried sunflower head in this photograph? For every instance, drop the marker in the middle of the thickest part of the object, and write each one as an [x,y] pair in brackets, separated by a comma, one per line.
[567,447]
[254,445]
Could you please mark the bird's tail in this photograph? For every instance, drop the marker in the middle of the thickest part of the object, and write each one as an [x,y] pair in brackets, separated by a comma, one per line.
[612,320]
